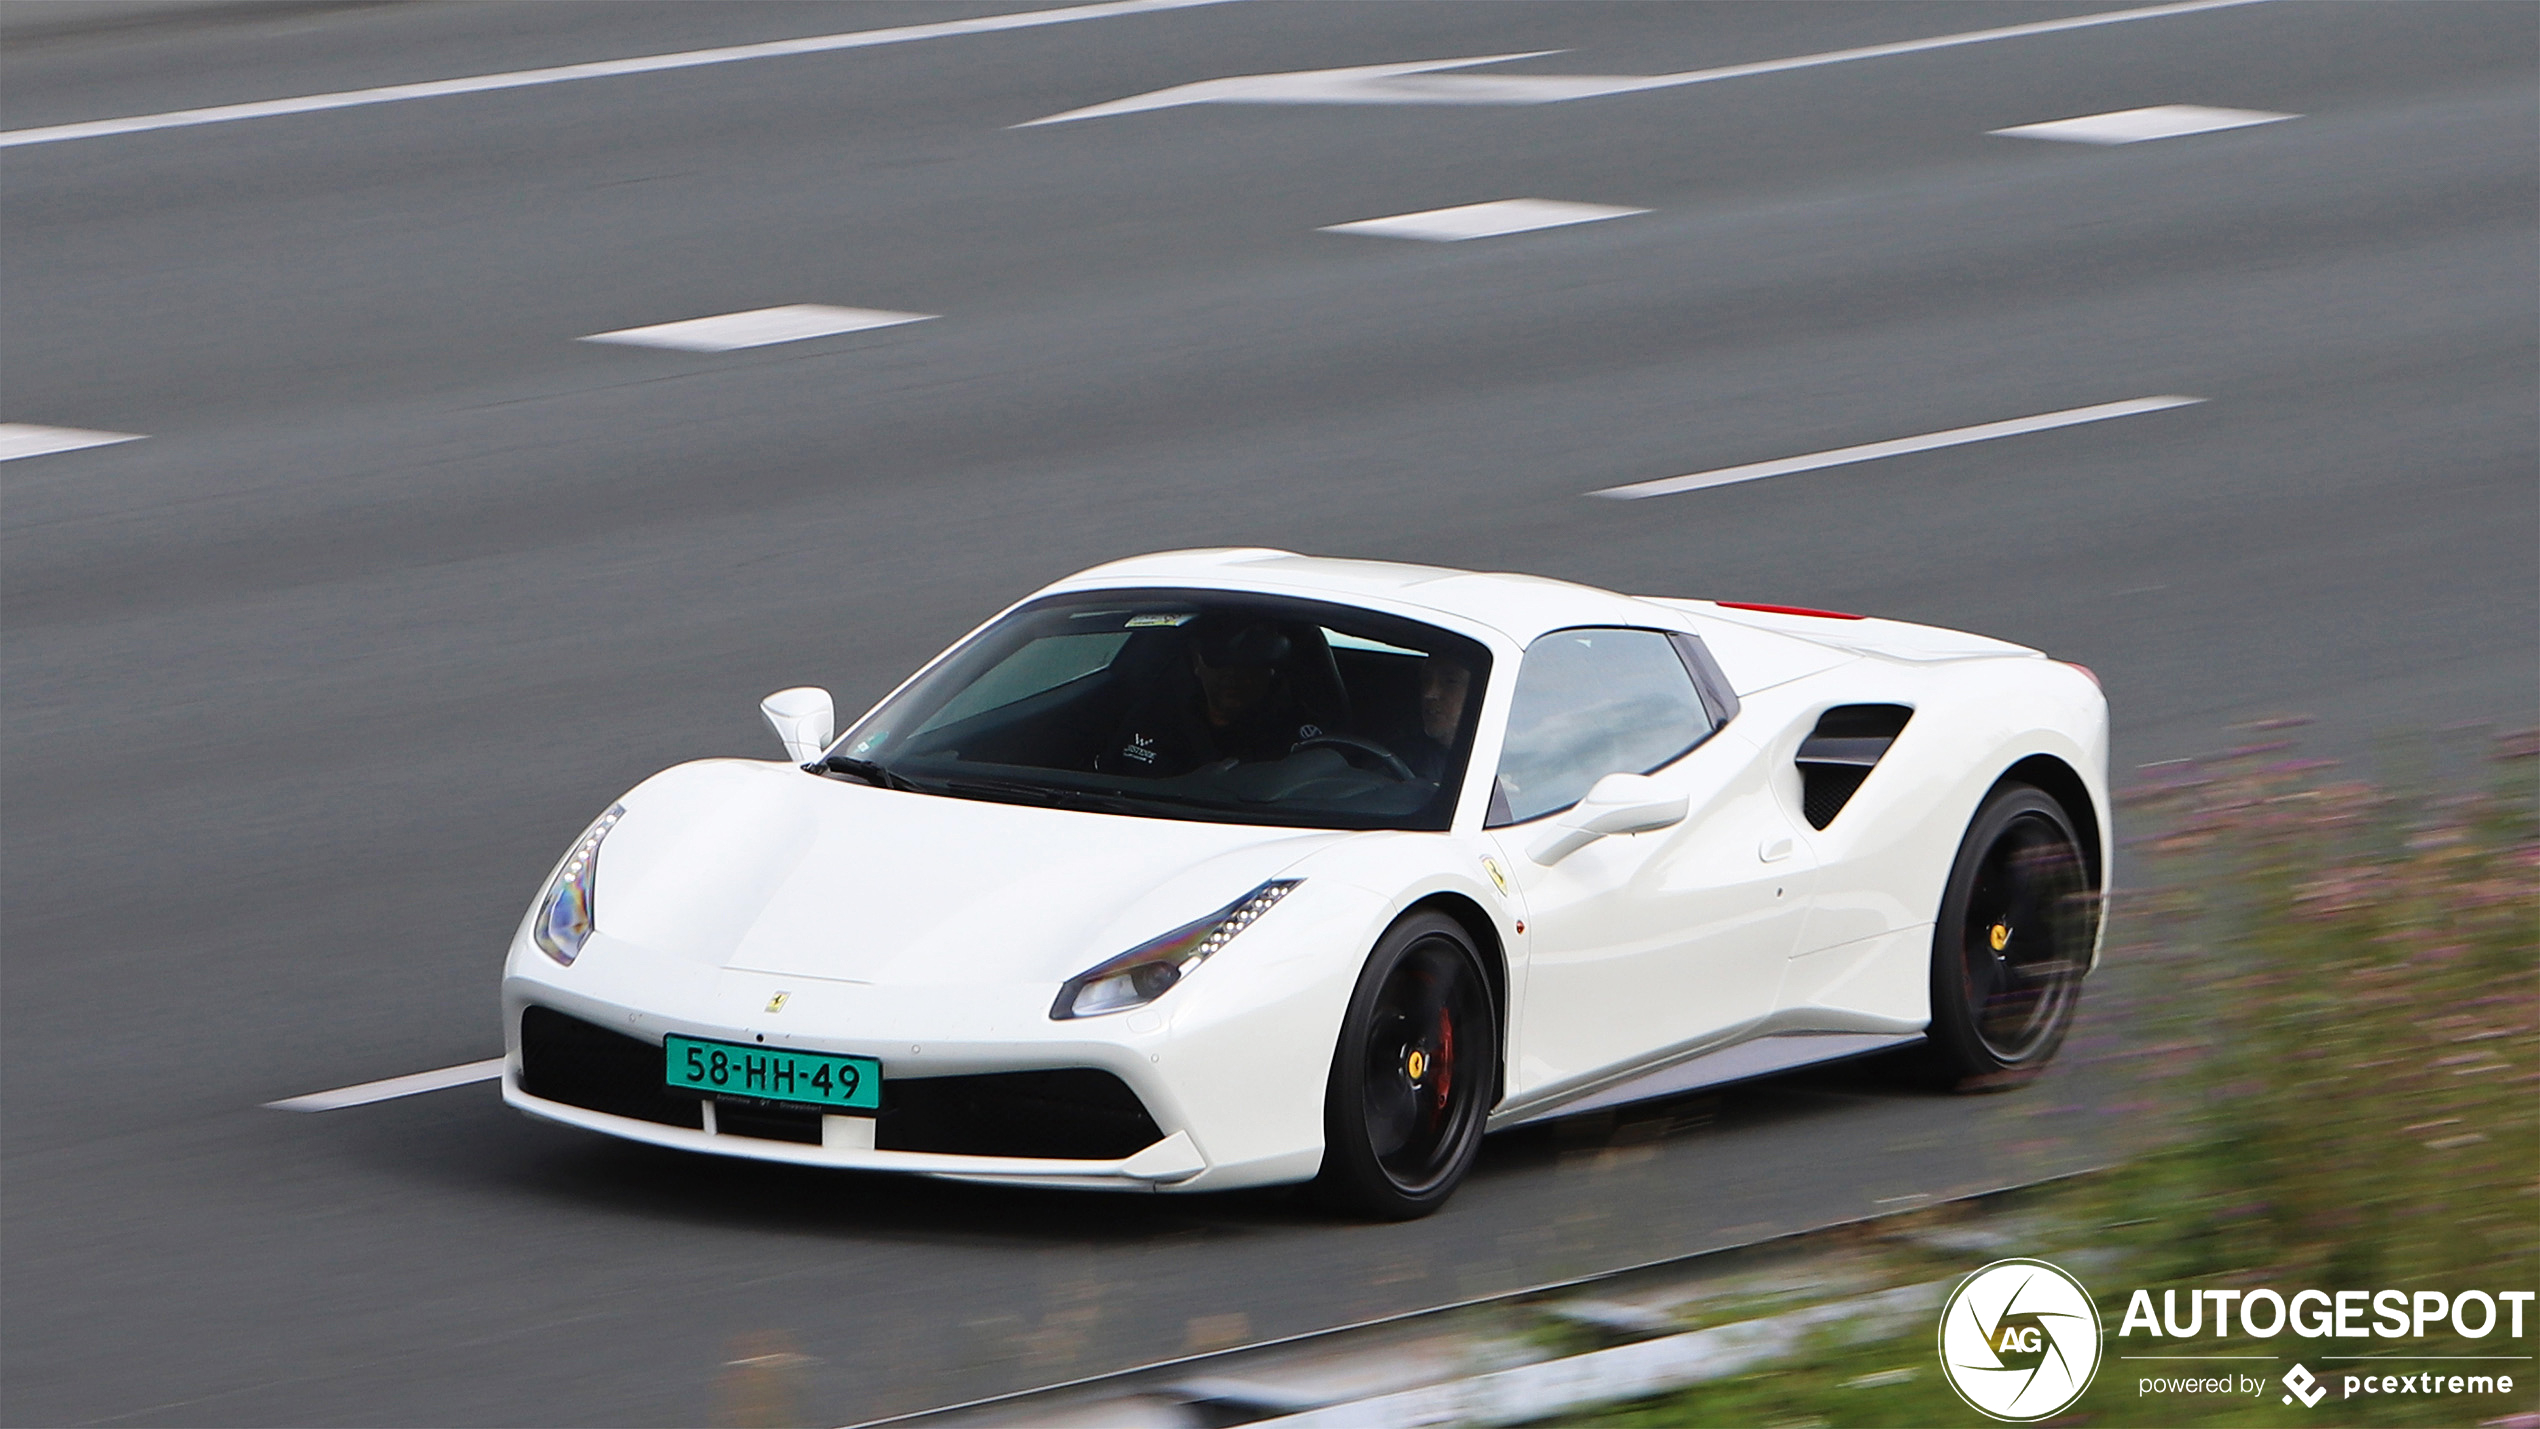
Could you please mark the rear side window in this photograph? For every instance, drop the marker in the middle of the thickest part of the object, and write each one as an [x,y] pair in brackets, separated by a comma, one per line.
[1591,702]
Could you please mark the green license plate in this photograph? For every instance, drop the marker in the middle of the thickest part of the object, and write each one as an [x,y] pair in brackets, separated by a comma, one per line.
[733,1069]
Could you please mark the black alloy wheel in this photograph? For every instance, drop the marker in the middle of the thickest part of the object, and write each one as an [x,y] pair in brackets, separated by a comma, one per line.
[2016,926]
[1411,1080]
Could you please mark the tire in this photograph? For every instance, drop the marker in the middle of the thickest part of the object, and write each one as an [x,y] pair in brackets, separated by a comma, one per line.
[1411,1078]
[2017,921]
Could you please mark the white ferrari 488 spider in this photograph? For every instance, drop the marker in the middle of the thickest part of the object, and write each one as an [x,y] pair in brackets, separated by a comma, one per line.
[1235,867]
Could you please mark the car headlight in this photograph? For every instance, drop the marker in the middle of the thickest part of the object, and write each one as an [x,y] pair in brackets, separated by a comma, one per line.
[1147,971]
[566,909]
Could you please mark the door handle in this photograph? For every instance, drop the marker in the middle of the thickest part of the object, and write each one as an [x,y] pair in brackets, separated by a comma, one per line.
[1774,850]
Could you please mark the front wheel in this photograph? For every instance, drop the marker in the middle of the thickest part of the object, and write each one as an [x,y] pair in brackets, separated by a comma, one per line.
[1411,1078]
[2016,925]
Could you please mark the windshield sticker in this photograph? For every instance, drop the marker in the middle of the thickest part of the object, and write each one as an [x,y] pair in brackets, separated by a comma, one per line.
[1139,622]
[1342,640]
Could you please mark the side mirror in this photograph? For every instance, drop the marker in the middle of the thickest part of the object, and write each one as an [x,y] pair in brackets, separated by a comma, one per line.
[804,720]
[1619,804]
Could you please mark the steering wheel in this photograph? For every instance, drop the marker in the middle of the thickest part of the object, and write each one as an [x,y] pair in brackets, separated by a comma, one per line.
[1386,760]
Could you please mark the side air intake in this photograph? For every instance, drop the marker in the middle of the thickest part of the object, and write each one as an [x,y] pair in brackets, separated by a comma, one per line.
[1839,753]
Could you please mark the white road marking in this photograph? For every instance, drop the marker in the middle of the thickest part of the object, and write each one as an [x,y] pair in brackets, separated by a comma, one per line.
[389,1089]
[2133,126]
[601,69]
[1418,83]
[759,327]
[25,439]
[1484,220]
[1361,84]
[1872,451]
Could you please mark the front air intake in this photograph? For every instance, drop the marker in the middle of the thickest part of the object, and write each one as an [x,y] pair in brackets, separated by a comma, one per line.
[1065,1114]
[1840,752]
[565,1059]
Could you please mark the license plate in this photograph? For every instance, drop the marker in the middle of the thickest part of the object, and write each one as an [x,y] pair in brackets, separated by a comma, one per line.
[734,1069]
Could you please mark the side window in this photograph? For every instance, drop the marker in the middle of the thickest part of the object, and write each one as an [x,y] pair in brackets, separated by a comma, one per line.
[1718,695]
[1588,703]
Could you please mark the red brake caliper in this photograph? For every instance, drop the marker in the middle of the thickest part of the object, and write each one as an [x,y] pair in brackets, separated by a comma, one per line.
[1446,1059]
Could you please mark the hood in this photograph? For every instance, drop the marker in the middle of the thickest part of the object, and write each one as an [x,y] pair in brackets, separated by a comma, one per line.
[764,868]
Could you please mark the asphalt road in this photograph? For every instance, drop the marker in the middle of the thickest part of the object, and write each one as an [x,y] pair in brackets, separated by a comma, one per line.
[305,690]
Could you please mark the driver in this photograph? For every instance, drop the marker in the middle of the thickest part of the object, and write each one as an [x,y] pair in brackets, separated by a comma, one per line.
[1236,706]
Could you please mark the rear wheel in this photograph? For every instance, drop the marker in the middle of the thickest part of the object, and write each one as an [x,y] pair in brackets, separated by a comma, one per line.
[1411,1078]
[2016,926]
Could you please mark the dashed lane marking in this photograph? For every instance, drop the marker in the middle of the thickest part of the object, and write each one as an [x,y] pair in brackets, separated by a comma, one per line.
[601,69]
[1484,220]
[759,327]
[25,439]
[391,1088]
[2133,126]
[1901,446]
[1420,81]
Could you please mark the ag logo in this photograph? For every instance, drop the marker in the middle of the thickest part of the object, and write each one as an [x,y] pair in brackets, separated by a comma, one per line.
[2019,1340]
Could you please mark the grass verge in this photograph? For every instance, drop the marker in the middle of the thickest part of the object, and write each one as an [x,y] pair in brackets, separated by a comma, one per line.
[2331,1007]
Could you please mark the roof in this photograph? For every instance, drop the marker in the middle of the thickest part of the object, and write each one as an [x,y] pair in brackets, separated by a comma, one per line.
[1519,606]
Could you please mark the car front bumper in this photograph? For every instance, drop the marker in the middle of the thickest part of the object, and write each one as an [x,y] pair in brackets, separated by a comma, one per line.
[1230,1067]
[847,1144]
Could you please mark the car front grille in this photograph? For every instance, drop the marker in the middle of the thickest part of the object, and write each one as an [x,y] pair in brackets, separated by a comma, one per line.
[1070,1114]
[565,1059]
[1063,1114]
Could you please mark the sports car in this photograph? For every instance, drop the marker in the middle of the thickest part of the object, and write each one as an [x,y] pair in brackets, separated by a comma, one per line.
[1238,867]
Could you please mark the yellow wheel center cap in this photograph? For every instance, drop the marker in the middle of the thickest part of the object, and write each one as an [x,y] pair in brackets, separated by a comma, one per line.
[2001,936]
[1416,1063]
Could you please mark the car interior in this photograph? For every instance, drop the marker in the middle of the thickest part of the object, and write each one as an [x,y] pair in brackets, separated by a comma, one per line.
[1040,699]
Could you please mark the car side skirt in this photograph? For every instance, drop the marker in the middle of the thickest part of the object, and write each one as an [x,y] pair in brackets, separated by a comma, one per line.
[1683,1071]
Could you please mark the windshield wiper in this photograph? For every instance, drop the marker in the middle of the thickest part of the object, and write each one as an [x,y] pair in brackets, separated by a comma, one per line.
[868,771]
[1012,790]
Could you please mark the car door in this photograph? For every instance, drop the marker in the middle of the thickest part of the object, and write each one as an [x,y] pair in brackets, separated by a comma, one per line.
[1640,944]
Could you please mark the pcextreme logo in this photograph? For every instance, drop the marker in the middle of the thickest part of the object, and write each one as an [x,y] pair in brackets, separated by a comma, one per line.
[2305,1386]
[2019,1340]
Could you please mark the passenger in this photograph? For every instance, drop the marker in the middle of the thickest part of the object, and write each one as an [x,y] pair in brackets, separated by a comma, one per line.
[1445,686]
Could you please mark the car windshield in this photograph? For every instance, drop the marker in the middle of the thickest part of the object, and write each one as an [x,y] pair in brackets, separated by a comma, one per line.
[1194,705]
